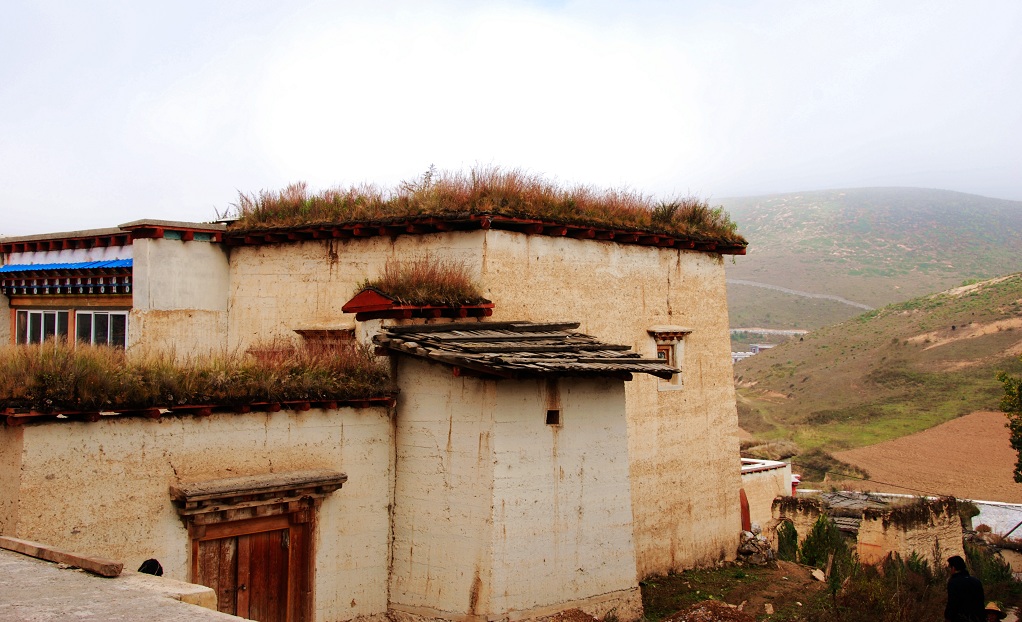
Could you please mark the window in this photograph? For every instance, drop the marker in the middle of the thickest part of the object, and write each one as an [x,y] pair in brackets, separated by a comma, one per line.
[670,348]
[665,353]
[102,328]
[38,326]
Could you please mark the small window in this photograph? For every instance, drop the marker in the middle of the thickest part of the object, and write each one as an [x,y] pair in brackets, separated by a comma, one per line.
[670,349]
[553,417]
[673,355]
[665,353]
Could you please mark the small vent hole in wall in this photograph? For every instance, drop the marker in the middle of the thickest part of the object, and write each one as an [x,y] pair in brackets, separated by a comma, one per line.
[553,417]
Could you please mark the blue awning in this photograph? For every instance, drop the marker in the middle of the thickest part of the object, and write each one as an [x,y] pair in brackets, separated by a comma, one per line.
[80,265]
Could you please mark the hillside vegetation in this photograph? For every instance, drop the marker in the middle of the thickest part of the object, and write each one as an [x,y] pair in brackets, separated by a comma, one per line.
[886,373]
[874,246]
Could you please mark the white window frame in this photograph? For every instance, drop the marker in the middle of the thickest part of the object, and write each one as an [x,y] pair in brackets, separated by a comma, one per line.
[42,314]
[91,319]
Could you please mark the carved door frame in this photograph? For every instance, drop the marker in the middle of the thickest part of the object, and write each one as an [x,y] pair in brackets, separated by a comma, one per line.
[235,511]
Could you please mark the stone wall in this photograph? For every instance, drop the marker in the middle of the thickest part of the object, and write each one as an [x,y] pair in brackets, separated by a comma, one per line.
[932,529]
[103,488]
[801,512]
[499,514]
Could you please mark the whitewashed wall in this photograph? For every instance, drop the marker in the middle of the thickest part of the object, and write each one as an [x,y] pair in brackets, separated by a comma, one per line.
[103,488]
[683,444]
[762,486]
[498,514]
[179,296]
[562,520]
[10,477]
[72,255]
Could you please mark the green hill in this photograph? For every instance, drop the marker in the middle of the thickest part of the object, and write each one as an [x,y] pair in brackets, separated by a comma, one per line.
[872,246]
[888,372]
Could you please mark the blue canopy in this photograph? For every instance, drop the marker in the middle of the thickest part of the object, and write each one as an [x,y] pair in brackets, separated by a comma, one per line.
[80,265]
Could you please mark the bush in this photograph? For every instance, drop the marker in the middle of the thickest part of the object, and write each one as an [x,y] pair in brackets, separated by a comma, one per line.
[429,280]
[82,378]
[825,548]
[787,542]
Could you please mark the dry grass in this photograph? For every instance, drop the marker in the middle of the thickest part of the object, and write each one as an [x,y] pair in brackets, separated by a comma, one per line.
[55,378]
[776,450]
[429,280]
[491,190]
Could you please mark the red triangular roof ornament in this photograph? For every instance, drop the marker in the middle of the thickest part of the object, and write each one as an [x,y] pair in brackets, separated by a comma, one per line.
[373,304]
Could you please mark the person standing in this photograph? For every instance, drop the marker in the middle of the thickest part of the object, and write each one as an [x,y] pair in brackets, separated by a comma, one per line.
[965,596]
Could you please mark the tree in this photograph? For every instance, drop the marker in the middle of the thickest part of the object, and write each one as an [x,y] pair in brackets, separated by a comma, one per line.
[1011,404]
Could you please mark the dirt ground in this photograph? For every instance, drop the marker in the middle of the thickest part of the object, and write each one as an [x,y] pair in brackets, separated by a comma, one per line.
[969,457]
[759,591]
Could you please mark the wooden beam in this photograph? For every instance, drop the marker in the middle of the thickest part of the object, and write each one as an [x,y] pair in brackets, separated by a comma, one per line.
[96,565]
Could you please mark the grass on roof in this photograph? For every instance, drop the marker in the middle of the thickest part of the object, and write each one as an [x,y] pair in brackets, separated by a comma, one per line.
[62,378]
[492,190]
[429,280]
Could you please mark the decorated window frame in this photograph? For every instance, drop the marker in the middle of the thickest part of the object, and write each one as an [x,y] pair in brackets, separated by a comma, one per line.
[670,348]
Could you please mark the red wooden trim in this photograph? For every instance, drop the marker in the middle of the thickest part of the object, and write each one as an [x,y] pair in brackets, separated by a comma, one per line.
[244,576]
[746,516]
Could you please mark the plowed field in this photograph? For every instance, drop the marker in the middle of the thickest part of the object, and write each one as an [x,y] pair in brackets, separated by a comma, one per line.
[968,457]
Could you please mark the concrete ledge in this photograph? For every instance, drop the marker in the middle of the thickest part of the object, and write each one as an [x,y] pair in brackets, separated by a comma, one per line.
[32,589]
[178,590]
[95,565]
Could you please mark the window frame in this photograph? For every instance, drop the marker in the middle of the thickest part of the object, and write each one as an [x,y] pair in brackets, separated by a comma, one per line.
[92,314]
[26,320]
[669,347]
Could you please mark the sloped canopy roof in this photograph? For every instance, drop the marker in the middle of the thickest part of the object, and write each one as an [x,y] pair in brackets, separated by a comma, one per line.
[110,264]
[372,304]
[519,350]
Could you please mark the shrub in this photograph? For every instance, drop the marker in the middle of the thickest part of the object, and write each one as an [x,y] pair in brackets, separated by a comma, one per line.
[824,540]
[987,566]
[787,542]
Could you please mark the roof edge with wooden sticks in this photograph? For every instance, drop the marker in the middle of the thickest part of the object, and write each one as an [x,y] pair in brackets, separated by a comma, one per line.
[518,350]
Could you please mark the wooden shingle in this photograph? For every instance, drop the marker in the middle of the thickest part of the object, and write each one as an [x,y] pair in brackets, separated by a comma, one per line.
[519,350]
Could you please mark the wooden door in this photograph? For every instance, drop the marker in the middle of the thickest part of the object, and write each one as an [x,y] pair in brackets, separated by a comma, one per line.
[259,568]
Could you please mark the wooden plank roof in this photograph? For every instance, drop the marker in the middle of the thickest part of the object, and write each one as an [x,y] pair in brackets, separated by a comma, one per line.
[518,350]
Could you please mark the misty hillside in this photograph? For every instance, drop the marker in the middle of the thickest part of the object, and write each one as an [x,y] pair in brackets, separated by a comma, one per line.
[869,246]
[889,372]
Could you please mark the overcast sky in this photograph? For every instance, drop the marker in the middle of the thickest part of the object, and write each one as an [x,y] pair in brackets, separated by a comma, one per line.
[112,111]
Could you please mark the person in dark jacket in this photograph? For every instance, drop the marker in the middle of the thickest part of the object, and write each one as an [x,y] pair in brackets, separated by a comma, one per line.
[965,596]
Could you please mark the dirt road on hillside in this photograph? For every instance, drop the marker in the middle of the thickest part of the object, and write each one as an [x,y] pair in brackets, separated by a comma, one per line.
[968,457]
